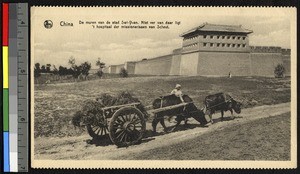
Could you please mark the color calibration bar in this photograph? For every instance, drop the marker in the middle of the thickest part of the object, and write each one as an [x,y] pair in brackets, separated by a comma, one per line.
[5,29]
[15,86]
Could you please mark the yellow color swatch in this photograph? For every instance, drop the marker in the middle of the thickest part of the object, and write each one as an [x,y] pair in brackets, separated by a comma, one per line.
[5,66]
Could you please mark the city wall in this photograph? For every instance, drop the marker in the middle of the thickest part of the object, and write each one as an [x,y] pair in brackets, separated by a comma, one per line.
[223,63]
[130,67]
[258,61]
[286,58]
[155,66]
[176,60]
[264,60]
[115,69]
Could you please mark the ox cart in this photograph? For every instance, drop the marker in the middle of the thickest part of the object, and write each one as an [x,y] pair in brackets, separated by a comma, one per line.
[126,123]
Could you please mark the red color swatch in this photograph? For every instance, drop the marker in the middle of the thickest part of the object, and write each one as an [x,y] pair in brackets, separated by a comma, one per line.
[5,24]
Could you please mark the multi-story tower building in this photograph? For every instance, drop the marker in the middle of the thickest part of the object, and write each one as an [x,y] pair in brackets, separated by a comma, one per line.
[211,37]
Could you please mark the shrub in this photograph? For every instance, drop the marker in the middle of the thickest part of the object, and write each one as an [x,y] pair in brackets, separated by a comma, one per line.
[279,71]
[123,73]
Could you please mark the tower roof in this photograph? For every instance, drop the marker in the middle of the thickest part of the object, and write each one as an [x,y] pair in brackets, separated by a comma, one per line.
[218,28]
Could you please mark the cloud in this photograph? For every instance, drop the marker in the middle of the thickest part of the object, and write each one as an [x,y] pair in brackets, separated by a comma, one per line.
[274,38]
[76,45]
[270,20]
[142,43]
[114,46]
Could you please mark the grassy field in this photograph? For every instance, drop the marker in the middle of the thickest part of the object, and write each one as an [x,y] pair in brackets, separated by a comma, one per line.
[55,104]
[262,139]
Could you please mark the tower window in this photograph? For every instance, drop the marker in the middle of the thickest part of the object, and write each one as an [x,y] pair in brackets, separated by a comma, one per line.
[244,38]
[223,37]
[233,45]
[204,36]
[228,45]
[218,37]
[239,45]
[204,44]
[239,38]
[211,37]
[228,37]
[233,37]
[211,44]
[244,45]
[218,44]
[223,45]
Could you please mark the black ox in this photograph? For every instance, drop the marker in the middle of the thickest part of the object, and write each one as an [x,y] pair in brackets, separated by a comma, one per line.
[182,113]
[221,102]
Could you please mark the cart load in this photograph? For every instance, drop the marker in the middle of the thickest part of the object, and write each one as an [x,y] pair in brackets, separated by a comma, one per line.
[121,116]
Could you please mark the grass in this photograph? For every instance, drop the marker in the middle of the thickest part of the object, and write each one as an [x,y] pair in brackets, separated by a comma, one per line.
[263,139]
[55,104]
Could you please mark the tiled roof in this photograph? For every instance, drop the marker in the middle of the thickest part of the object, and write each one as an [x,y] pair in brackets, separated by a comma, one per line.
[219,28]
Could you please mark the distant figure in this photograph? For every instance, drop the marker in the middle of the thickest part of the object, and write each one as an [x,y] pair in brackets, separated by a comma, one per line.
[229,75]
[177,92]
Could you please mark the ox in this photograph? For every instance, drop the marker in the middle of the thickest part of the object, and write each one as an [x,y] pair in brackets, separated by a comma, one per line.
[182,113]
[221,102]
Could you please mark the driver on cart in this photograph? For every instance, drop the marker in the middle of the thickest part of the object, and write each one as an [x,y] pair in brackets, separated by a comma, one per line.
[177,92]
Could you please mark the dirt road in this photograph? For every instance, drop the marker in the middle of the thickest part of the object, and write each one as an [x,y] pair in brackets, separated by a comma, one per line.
[83,147]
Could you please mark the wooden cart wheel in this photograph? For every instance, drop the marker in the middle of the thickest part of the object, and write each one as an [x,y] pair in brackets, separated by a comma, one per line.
[97,129]
[127,126]
[170,123]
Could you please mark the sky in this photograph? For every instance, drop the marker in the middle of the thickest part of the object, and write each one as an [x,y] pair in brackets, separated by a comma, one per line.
[270,26]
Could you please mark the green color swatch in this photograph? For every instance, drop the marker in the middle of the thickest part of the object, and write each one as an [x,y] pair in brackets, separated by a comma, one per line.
[5,109]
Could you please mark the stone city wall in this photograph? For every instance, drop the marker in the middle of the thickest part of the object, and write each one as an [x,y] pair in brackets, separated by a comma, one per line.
[259,61]
[155,66]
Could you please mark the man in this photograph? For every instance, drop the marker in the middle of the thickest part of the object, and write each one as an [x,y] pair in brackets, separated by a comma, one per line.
[177,92]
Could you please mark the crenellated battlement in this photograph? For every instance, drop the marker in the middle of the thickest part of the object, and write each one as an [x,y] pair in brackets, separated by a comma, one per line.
[265,49]
[286,51]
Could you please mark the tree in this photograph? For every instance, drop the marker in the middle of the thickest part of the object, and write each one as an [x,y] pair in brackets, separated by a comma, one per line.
[279,71]
[37,70]
[123,73]
[75,71]
[61,71]
[55,71]
[101,65]
[85,68]
[72,62]
[48,68]
[43,69]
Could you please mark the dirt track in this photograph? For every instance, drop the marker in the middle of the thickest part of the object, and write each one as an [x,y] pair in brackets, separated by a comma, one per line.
[83,147]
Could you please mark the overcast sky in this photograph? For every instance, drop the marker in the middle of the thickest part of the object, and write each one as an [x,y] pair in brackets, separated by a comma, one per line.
[271,27]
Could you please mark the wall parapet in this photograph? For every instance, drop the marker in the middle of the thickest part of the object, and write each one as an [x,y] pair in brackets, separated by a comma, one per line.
[286,51]
[265,49]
